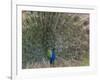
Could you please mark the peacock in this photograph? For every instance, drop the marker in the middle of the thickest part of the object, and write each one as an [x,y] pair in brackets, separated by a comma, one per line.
[51,56]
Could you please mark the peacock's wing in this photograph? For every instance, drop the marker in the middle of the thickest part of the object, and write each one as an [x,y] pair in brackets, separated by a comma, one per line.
[49,54]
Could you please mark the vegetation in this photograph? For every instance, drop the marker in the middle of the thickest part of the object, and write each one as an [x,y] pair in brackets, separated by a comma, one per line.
[68,33]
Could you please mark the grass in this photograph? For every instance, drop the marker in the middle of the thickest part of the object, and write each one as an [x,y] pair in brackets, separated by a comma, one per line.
[85,61]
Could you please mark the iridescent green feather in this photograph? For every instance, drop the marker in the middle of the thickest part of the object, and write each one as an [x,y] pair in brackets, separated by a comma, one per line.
[49,54]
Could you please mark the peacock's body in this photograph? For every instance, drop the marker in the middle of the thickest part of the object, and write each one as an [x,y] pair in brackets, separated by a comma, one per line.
[51,56]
